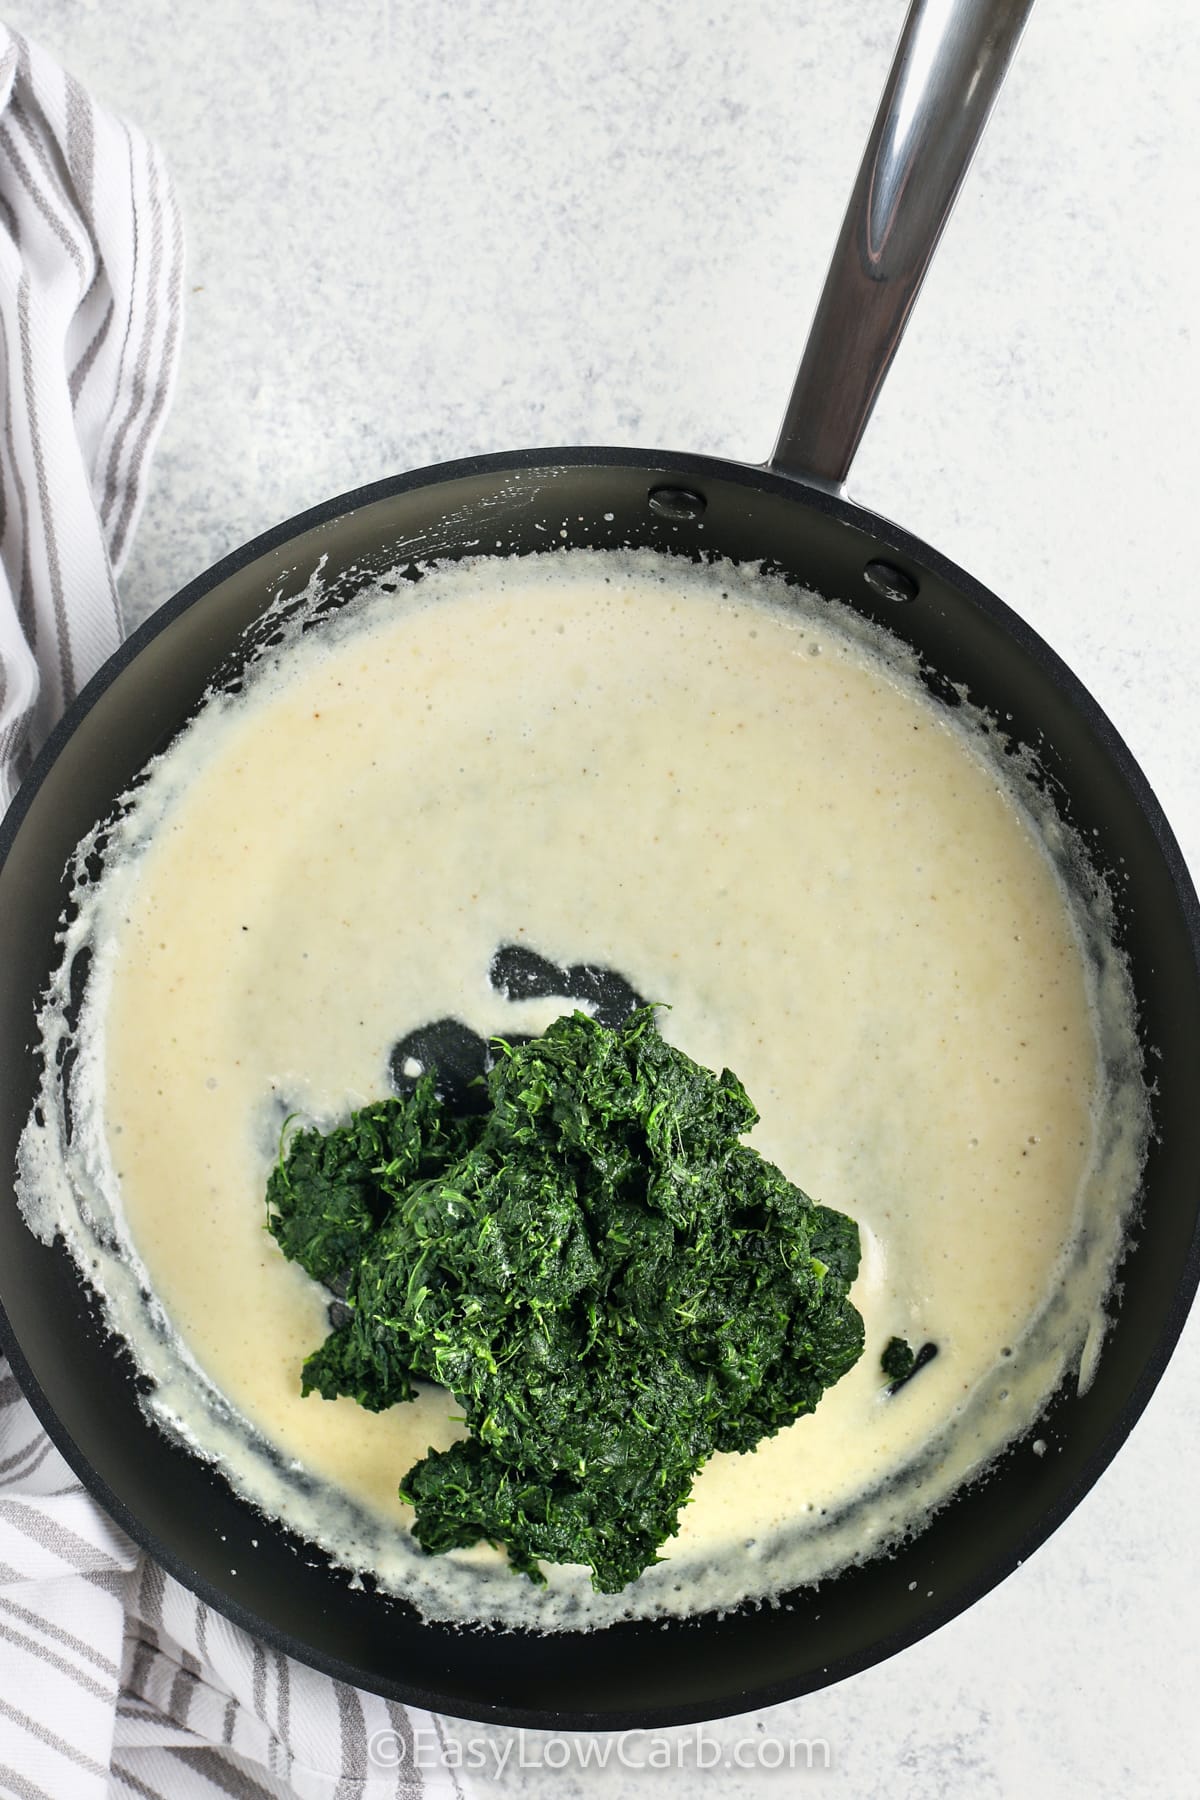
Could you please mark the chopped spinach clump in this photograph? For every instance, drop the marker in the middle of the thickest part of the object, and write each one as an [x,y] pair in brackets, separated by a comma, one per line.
[610,1283]
[898,1360]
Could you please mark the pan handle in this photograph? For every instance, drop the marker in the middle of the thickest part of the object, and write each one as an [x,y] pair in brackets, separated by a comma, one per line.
[949,64]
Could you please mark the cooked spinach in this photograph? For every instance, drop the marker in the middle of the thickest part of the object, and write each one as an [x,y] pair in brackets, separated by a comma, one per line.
[898,1359]
[900,1362]
[610,1283]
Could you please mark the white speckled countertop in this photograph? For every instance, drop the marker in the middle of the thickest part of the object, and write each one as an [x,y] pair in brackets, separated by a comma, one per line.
[419,230]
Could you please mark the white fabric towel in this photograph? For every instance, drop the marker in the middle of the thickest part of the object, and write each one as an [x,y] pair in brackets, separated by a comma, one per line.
[114,1679]
[91,276]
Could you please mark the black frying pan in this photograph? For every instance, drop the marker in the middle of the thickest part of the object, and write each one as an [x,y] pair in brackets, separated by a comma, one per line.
[793,516]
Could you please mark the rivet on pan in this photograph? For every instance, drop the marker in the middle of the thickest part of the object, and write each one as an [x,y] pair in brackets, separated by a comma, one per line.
[678,504]
[891,582]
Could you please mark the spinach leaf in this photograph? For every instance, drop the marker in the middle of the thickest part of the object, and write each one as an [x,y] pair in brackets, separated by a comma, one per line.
[898,1360]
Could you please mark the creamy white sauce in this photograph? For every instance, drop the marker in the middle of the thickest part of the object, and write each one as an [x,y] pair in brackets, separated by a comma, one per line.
[742,799]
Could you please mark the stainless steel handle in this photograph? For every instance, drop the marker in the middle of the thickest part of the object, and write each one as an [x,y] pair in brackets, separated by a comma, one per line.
[949,64]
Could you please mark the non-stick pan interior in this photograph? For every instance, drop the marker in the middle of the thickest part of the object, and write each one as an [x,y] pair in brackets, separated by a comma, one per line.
[631,1674]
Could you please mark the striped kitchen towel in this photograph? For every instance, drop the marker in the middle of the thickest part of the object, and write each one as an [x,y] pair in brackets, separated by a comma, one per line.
[114,1680]
[91,270]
